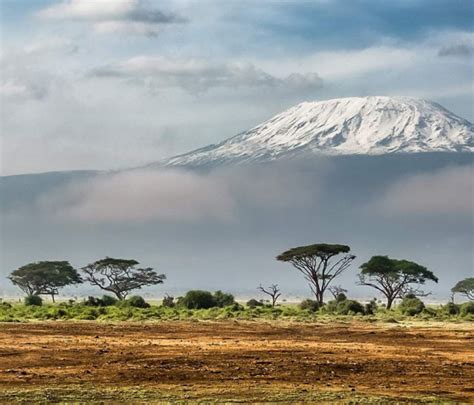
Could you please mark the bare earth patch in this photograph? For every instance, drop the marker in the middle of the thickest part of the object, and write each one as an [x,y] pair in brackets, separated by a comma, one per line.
[235,361]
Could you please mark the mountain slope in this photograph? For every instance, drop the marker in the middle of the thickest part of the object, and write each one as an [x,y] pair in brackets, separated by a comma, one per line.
[346,126]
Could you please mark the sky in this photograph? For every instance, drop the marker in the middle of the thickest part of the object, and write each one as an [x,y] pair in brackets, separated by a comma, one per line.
[102,84]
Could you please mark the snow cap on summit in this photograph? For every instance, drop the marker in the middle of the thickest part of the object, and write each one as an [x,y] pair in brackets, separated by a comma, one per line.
[346,126]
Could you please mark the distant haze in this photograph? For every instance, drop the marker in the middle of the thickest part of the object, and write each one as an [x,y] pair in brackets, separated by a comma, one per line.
[223,228]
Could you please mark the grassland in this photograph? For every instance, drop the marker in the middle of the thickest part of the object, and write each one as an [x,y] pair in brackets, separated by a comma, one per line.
[80,311]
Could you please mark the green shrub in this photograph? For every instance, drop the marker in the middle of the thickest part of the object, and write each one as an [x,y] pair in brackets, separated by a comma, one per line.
[330,307]
[137,301]
[88,314]
[198,299]
[467,308]
[168,301]
[348,307]
[33,300]
[451,308]
[253,303]
[234,307]
[108,301]
[429,312]
[105,301]
[310,305]
[223,299]
[411,305]
[341,297]
[92,301]
[371,307]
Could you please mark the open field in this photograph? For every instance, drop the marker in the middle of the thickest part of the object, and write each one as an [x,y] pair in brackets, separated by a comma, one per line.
[236,361]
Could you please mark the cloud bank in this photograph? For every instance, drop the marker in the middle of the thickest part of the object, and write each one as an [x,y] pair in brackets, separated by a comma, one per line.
[140,196]
[448,192]
[112,16]
[198,75]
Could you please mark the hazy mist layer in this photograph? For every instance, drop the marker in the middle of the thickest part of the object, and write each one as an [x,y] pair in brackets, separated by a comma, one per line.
[223,228]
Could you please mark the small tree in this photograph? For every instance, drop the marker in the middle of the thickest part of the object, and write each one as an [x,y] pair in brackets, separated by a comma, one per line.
[394,278]
[120,276]
[318,264]
[336,291]
[44,278]
[273,291]
[465,287]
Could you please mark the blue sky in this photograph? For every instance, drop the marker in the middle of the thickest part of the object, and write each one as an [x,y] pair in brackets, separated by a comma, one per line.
[108,84]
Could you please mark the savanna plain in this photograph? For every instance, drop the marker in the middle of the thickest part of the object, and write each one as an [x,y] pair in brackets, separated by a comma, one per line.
[267,355]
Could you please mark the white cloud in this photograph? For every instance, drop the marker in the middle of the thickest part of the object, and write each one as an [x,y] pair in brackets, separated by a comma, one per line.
[26,73]
[106,16]
[197,75]
[50,45]
[446,192]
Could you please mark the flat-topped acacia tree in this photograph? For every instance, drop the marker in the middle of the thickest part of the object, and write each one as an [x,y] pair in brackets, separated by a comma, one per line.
[45,277]
[465,287]
[320,264]
[120,276]
[395,278]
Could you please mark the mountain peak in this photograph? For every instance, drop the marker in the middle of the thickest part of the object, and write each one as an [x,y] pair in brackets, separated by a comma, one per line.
[372,125]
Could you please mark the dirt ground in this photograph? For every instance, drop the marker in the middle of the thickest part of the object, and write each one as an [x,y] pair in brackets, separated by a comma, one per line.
[235,362]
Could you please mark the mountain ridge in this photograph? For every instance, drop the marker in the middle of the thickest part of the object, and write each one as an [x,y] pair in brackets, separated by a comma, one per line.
[373,125]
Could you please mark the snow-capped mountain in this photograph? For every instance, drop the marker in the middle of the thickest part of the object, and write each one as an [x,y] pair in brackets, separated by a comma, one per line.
[345,126]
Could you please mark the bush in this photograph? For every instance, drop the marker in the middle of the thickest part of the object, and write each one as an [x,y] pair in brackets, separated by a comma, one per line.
[411,305]
[168,301]
[253,303]
[467,308]
[35,300]
[92,302]
[108,301]
[223,299]
[347,307]
[451,308]
[105,301]
[341,297]
[235,307]
[198,299]
[137,301]
[310,305]
[429,312]
[371,307]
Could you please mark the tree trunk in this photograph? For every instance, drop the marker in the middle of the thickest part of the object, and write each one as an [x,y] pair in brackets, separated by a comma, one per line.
[389,302]
[320,298]
[52,297]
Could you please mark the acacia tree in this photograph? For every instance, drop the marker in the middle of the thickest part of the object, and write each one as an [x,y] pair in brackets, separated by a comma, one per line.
[395,278]
[465,287]
[120,276]
[273,291]
[45,277]
[319,264]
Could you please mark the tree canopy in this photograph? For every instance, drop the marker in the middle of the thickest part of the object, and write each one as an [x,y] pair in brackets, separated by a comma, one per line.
[45,277]
[322,250]
[465,287]
[394,278]
[318,264]
[120,276]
